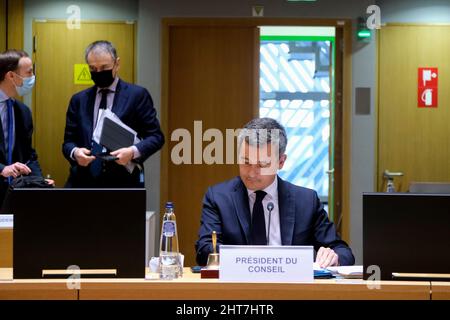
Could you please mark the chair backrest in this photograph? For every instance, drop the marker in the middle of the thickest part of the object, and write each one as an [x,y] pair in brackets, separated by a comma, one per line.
[395,221]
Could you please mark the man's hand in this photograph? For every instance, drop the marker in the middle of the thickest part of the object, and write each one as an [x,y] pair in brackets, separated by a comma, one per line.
[16,169]
[50,182]
[326,257]
[83,156]
[125,155]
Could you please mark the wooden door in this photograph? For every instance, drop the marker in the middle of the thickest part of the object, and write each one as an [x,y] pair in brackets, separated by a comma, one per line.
[213,78]
[57,50]
[3,25]
[413,140]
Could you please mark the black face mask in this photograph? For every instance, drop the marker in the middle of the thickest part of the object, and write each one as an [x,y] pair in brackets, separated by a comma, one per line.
[102,79]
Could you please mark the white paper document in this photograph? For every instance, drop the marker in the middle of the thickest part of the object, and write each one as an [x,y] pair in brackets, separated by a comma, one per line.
[354,272]
[347,271]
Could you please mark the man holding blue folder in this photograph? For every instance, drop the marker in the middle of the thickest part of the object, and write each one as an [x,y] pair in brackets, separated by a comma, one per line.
[132,104]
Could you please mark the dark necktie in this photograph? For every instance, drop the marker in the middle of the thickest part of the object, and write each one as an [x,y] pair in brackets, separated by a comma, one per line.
[104,100]
[9,106]
[258,229]
[97,165]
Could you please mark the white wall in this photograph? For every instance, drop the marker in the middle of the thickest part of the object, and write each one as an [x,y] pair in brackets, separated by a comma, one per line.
[415,11]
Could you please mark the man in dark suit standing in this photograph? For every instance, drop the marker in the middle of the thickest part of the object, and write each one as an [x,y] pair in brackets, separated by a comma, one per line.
[259,208]
[134,107]
[17,157]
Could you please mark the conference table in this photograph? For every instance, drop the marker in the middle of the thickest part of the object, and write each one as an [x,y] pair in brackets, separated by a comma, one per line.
[192,287]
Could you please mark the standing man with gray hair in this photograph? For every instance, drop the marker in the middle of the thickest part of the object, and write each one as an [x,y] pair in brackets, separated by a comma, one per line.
[134,107]
[259,208]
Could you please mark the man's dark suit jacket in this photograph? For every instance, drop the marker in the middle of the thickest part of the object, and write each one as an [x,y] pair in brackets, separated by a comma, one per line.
[303,221]
[23,151]
[134,106]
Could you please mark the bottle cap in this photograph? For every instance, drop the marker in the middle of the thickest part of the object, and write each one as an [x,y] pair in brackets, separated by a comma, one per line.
[169,204]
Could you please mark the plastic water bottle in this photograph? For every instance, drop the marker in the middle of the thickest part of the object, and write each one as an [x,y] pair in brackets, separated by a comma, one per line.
[169,258]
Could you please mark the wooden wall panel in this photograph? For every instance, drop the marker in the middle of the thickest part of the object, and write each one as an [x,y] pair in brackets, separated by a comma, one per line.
[15,24]
[6,242]
[3,22]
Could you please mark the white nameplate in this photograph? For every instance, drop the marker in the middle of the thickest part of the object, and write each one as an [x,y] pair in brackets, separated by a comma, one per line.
[266,263]
[6,221]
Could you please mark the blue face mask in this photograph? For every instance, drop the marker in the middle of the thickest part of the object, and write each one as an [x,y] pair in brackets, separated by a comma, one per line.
[27,86]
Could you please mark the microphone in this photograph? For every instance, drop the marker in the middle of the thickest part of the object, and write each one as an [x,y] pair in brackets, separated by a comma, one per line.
[270,207]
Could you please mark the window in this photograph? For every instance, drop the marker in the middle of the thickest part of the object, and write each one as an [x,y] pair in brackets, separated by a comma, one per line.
[296,84]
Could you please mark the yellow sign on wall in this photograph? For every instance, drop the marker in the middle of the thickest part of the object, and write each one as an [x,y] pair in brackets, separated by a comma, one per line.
[81,74]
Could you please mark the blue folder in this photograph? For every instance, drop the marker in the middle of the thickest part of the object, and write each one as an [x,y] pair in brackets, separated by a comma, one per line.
[322,274]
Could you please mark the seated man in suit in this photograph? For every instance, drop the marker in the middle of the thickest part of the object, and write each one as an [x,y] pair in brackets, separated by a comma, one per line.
[17,157]
[134,107]
[238,209]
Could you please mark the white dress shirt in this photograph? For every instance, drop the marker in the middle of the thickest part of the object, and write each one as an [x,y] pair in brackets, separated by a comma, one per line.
[109,100]
[271,196]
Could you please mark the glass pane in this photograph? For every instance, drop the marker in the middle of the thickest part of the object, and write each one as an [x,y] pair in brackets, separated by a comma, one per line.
[295,89]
